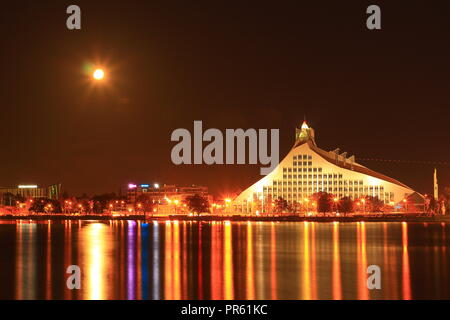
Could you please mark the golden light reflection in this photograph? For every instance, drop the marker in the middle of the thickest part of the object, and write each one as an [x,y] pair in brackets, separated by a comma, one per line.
[273,262]
[260,258]
[25,261]
[200,262]
[244,260]
[48,287]
[216,263]
[363,293]
[19,261]
[337,286]
[250,277]
[228,263]
[306,283]
[406,277]
[313,262]
[168,276]
[184,267]
[95,246]
[68,253]
[176,261]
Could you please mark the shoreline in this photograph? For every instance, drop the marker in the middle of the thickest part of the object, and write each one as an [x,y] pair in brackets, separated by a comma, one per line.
[386,218]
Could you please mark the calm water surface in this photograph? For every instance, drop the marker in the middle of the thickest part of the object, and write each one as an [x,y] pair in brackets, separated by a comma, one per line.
[223,260]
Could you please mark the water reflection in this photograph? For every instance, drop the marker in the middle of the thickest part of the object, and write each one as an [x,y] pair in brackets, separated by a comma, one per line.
[224,260]
[95,260]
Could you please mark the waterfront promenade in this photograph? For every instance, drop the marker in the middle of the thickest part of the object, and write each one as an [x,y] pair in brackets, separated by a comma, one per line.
[394,217]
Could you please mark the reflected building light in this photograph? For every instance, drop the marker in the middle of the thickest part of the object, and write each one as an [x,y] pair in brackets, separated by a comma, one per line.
[156,261]
[336,266]
[363,293]
[250,278]
[131,261]
[228,263]
[216,263]
[273,262]
[168,264]
[176,261]
[144,262]
[48,289]
[26,261]
[306,283]
[406,277]
[95,253]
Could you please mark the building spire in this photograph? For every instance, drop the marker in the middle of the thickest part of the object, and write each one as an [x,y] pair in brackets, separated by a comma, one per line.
[304,134]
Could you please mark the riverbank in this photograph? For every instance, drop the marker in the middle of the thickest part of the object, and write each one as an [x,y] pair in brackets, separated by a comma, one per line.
[293,218]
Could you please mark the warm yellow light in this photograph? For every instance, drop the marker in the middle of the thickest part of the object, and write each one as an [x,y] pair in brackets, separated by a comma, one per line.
[98,74]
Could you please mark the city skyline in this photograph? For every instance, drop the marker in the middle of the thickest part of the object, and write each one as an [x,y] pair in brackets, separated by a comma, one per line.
[224,156]
[380,94]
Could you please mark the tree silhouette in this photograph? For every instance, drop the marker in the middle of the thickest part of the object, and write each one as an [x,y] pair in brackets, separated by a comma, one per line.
[281,205]
[42,205]
[345,205]
[324,202]
[374,204]
[197,203]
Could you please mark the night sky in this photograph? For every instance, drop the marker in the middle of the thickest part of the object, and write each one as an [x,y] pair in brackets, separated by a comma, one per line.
[375,94]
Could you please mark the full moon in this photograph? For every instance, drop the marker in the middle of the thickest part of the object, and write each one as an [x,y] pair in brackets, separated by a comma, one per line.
[98,74]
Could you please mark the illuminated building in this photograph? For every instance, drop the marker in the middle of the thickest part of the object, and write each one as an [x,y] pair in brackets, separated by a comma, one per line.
[33,191]
[166,196]
[307,170]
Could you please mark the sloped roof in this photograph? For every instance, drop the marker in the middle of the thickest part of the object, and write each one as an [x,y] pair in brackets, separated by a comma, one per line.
[356,167]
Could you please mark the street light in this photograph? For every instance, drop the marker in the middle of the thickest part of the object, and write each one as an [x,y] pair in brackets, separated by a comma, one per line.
[307,204]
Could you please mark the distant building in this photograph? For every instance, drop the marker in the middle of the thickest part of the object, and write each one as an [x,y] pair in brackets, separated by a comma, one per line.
[307,170]
[169,198]
[32,191]
[155,191]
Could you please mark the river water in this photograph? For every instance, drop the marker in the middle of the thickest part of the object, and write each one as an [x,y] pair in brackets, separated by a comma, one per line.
[223,260]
